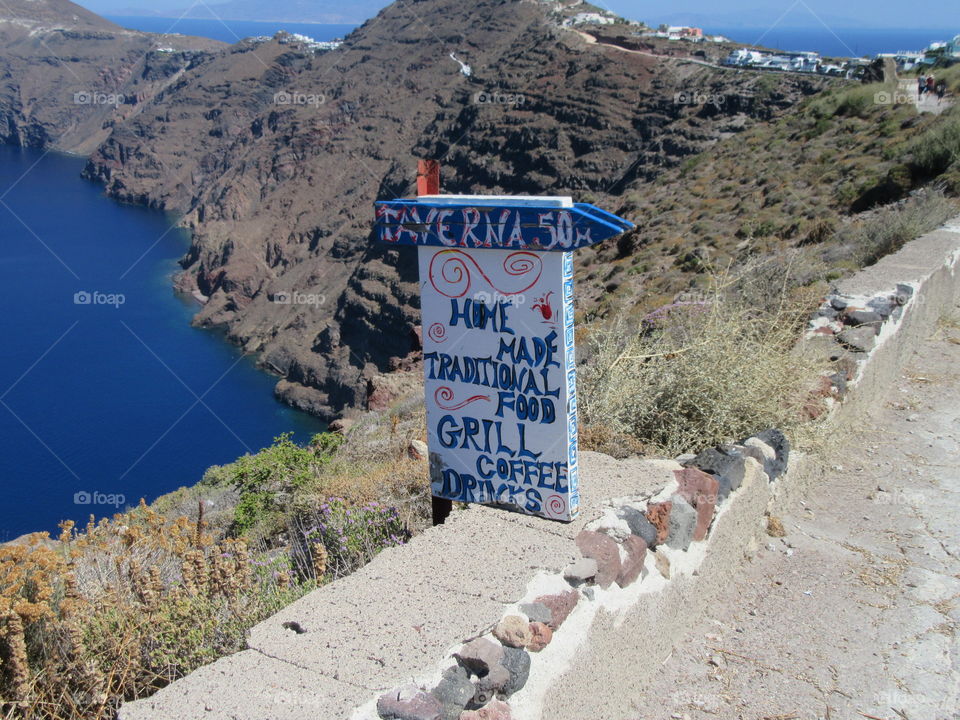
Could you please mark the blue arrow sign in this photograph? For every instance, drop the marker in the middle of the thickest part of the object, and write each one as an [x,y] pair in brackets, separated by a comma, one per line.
[504,222]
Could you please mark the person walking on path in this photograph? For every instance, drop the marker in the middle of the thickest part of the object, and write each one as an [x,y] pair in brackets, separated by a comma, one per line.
[931,83]
[921,86]
[941,90]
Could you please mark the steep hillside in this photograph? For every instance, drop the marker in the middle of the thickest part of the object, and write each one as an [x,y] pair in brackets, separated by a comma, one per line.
[813,180]
[275,155]
[68,75]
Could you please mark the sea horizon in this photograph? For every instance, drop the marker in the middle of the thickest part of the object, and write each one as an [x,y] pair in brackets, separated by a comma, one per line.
[829,42]
[230,31]
[839,42]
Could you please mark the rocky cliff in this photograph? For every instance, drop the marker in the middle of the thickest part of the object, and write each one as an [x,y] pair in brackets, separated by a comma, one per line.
[274,155]
[70,76]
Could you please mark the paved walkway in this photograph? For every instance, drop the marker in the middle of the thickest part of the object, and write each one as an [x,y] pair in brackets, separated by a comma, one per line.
[928,102]
[855,613]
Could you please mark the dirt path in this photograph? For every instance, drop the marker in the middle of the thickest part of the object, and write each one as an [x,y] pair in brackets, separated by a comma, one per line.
[855,613]
[591,40]
[928,102]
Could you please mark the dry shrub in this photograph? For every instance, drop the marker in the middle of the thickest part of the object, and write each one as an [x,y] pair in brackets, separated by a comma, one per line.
[374,464]
[888,229]
[712,368]
[122,608]
[400,482]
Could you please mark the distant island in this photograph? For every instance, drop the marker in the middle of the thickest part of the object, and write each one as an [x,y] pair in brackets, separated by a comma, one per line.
[301,11]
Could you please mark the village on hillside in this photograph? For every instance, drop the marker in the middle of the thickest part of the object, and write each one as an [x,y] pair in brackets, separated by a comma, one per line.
[776,60]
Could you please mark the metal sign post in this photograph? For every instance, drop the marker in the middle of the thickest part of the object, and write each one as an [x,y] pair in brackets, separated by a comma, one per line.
[496,283]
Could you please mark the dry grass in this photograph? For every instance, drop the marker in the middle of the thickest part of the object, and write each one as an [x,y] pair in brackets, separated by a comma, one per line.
[890,228]
[706,371]
[123,607]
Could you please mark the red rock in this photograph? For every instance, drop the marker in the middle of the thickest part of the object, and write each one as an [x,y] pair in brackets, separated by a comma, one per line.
[632,567]
[659,516]
[379,395]
[495,710]
[541,635]
[602,548]
[824,330]
[700,490]
[560,607]
[813,407]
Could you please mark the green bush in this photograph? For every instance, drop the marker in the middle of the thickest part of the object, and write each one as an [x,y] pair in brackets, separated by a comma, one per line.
[264,478]
[252,509]
[858,101]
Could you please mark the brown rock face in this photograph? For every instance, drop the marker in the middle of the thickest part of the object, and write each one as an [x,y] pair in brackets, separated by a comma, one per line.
[700,490]
[632,567]
[775,527]
[278,193]
[659,516]
[71,76]
[662,563]
[602,548]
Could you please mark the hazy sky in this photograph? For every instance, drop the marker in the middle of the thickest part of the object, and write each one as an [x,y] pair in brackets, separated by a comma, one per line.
[925,14]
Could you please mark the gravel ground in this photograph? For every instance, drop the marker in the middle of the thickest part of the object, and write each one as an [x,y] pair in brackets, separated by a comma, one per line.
[855,612]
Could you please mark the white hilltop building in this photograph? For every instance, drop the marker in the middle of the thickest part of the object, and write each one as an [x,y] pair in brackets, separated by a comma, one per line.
[307,41]
[905,59]
[589,18]
[744,57]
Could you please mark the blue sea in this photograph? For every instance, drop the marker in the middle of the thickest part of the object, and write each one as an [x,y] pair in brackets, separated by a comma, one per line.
[837,42]
[831,42]
[107,394]
[229,31]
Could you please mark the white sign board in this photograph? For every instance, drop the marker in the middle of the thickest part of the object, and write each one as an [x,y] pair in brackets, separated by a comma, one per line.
[498,349]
